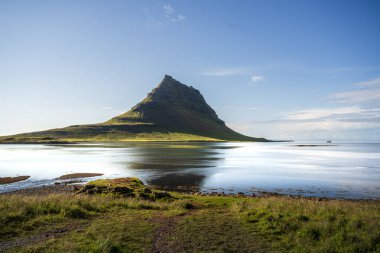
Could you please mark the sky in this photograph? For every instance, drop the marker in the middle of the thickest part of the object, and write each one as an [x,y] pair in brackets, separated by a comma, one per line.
[300,70]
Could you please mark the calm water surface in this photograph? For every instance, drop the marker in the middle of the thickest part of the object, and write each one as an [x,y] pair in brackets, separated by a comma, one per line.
[341,170]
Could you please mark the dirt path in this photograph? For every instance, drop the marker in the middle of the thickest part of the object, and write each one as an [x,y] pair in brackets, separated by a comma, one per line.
[206,231]
[40,237]
[165,231]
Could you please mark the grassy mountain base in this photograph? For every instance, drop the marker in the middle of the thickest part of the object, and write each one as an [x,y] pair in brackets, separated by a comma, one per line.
[185,223]
[117,133]
[79,134]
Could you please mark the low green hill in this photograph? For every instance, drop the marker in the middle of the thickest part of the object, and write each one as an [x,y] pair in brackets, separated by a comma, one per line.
[171,112]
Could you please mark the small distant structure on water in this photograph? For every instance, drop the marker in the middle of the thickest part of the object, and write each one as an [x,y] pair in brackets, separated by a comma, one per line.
[328,141]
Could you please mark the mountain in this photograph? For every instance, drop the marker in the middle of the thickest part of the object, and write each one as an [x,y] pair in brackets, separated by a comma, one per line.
[171,112]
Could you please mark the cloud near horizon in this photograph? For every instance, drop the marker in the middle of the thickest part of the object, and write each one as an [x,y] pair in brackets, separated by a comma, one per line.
[319,113]
[363,115]
[314,124]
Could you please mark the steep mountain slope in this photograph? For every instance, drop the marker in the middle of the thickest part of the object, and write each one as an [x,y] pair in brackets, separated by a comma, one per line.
[171,112]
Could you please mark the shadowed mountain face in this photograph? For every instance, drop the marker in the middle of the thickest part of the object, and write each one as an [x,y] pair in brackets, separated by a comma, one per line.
[170,101]
[171,112]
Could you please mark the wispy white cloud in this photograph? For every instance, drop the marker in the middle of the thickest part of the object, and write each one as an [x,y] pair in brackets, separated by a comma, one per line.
[360,118]
[168,9]
[344,69]
[330,125]
[305,68]
[151,22]
[106,108]
[318,113]
[257,78]
[354,117]
[170,13]
[178,18]
[225,72]
[369,92]
[235,72]
[239,108]
[326,129]
[314,129]
[158,20]
[371,83]
[356,96]
[317,123]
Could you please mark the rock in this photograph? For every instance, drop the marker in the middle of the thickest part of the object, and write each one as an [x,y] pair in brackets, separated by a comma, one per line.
[9,180]
[78,175]
[147,190]
[161,195]
[123,187]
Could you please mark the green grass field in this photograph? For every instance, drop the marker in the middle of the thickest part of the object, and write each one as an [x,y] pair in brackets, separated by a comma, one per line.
[67,222]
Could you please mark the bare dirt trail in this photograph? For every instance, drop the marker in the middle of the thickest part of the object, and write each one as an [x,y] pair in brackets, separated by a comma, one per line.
[214,231]
[165,231]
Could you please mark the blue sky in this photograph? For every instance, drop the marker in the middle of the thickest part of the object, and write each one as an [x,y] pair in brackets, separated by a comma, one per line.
[275,69]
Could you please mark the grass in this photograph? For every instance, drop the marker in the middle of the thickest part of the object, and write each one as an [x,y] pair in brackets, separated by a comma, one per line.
[187,223]
[302,224]
[76,137]
[107,222]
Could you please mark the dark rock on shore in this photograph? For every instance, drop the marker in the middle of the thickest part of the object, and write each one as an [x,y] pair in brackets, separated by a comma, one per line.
[47,189]
[9,180]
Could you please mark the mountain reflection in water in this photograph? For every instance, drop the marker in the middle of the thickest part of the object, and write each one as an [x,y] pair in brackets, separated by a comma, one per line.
[177,166]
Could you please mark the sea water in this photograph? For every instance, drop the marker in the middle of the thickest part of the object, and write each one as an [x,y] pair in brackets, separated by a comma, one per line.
[342,170]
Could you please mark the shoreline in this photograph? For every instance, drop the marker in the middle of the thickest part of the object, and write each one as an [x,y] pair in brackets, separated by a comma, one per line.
[134,141]
[72,187]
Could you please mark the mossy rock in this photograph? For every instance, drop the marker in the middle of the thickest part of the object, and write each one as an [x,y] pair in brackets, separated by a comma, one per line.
[129,182]
[124,187]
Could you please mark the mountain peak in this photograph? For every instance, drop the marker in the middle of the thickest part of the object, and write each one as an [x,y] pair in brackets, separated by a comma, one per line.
[168,77]
[171,102]
[171,90]
[169,81]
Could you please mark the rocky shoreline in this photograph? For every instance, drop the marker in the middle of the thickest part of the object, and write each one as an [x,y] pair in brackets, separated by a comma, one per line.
[72,183]
[47,189]
[71,187]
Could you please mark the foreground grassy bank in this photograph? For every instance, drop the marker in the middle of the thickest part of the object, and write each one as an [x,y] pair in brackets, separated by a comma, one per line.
[148,221]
